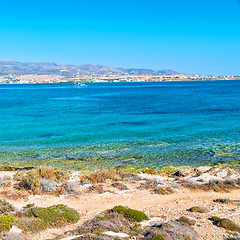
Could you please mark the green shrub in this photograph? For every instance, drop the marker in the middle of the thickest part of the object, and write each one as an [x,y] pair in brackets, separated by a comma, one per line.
[187,221]
[158,237]
[6,222]
[5,207]
[131,214]
[228,224]
[102,218]
[222,200]
[56,215]
[198,209]
[215,218]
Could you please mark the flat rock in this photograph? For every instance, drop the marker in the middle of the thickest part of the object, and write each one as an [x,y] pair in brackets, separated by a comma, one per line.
[205,174]
[72,237]
[155,221]
[122,236]
[13,236]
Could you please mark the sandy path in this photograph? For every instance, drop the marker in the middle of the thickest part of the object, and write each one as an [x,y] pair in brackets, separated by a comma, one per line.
[166,207]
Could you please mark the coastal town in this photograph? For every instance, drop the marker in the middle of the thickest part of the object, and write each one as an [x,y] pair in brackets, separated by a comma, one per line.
[52,78]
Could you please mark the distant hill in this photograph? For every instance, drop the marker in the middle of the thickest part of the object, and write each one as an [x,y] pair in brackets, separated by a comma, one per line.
[20,68]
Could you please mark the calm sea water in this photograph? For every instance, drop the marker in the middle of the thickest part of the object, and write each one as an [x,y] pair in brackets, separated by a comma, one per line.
[111,124]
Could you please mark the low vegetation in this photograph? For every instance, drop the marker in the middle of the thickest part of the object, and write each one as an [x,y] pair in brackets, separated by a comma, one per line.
[149,185]
[6,222]
[108,220]
[5,181]
[122,219]
[163,190]
[198,209]
[228,224]
[32,225]
[158,237]
[96,188]
[222,200]
[187,221]
[120,186]
[55,216]
[155,187]
[34,219]
[14,195]
[215,218]
[5,207]
[225,223]
[131,214]
[40,180]
[99,177]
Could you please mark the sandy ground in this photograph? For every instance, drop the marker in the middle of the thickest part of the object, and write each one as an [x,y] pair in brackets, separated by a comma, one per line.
[165,207]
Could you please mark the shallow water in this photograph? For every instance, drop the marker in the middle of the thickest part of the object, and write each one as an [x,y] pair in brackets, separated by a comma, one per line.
[111,124]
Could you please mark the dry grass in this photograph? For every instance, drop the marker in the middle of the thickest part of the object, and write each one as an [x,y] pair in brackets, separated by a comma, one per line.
[14,195]
[163,190]
[99,177]
[31,180]
[149,185]
[6,207]
[119,186]
[110,175]
[149,171]
[96,188]
[154,187]
[5,181]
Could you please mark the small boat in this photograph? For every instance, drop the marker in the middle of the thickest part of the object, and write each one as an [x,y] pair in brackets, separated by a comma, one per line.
[78,84]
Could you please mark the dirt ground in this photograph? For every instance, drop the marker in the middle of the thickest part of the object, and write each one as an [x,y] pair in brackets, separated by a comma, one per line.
[164,207]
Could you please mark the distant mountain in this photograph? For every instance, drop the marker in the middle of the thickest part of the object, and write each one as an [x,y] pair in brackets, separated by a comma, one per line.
[20,68]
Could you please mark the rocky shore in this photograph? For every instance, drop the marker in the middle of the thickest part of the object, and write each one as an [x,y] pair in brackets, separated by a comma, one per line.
[46,203]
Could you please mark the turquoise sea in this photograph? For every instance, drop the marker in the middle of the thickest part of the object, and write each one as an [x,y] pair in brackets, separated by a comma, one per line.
[113,124]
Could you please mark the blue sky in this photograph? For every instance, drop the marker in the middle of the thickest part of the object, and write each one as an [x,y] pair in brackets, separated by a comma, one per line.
[187,36]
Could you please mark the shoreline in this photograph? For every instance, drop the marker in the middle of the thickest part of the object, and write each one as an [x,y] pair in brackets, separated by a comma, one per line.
[99,82]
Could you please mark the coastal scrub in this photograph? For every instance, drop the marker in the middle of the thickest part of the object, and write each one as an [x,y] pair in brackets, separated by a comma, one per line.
[131,214]
[225,223]
[6,223]
[35,180]
[6,207]
[56,215]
